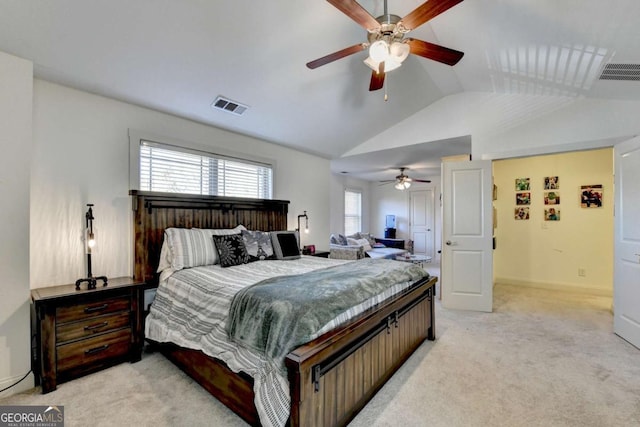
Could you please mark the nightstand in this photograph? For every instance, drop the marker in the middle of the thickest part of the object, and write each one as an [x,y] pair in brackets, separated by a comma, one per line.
[83,331]
[321,254]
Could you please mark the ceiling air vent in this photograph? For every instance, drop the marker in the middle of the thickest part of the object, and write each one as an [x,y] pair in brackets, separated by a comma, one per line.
[224,104]
[621,72]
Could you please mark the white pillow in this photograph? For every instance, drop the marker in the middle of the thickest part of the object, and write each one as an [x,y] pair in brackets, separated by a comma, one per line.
[352,242]
[364,243]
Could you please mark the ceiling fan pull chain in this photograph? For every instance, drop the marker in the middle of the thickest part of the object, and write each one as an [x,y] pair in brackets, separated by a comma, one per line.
[386,96]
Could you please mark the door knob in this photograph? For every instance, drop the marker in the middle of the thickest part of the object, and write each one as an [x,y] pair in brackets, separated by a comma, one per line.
[448,242]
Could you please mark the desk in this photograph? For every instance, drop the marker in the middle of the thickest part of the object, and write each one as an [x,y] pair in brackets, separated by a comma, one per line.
[391,243]
[415,259]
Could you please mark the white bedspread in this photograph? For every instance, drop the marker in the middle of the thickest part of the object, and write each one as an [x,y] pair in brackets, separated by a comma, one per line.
[191,308]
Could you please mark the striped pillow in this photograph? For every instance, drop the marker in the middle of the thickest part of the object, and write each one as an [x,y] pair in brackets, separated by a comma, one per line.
[193,247]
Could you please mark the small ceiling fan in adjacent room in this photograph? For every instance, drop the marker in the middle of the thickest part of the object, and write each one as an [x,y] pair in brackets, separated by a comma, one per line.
[402,181]
[386,41]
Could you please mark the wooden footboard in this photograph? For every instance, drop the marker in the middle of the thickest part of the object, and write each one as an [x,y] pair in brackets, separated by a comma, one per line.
[333,377]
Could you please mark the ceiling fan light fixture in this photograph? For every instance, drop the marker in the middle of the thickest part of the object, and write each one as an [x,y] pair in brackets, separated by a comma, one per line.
[372,64]
[379,51]
[399,51]
[389,64]
[399,186]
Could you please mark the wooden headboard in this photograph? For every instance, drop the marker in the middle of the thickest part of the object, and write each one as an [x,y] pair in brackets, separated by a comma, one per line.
[154,212]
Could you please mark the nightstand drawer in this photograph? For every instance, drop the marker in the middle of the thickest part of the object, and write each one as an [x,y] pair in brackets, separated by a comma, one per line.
[92,326]
[92,350]
[87,310]
[78,332]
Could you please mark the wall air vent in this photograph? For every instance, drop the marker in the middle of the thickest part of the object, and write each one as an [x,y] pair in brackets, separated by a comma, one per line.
[225,104]
[621,72]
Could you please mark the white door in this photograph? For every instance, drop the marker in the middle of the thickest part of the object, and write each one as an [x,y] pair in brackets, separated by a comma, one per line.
[467,227]
[421,221]
[626,269]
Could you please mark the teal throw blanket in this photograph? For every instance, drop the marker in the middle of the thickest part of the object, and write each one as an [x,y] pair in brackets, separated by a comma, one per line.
[279,314]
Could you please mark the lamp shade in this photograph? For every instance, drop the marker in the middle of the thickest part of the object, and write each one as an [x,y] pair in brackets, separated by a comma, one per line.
[379,51]
[399,51]
[389,64]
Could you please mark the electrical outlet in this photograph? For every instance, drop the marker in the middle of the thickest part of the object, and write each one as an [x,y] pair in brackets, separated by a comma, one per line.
[582,272]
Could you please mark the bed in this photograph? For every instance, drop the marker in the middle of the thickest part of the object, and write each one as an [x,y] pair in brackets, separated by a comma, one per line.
[330,378]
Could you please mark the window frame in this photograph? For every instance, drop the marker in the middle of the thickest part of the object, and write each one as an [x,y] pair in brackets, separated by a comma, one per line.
[137,137]
[344,196]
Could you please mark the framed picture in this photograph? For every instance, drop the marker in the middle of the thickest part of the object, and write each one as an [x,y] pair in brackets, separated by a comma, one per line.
[522,184]
[552,214]
[523,198]
[551,183]
[551,198]
[521,213]
[591,196]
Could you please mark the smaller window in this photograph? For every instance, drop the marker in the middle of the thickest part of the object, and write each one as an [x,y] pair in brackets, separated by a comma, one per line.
[352,211]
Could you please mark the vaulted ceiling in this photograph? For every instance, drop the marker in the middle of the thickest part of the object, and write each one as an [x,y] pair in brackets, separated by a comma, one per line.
[178,56]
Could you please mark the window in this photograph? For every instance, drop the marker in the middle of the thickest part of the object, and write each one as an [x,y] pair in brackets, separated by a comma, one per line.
[352,211]
[172,169]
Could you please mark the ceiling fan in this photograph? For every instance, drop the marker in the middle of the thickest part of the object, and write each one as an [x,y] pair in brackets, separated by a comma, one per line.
[402,181]
[387,44]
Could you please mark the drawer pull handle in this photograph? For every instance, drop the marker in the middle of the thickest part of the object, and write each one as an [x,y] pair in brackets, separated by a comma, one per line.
[96,326]
[97,349]
[95,308]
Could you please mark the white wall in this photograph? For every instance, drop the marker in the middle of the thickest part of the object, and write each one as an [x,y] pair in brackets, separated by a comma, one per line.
[386,200]
[550,253]
[81,155]
[16,94]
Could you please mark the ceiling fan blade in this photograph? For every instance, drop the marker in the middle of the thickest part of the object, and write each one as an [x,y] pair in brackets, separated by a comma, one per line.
[353,10]
[435,52]
[421,180]
[337,55]
[377,78]
[427,11]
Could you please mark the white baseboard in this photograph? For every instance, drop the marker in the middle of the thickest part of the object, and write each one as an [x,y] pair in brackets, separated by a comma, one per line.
[566,287]
[24,385]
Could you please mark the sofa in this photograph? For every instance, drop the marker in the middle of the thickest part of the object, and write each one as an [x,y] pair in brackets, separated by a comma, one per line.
[358,246]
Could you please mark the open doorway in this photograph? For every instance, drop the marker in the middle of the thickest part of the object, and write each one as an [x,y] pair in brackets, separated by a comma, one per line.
[547,235]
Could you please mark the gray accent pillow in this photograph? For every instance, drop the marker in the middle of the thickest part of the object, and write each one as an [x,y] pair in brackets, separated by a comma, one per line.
[342,240]
[231,250]
[286,244]
[258,244]
[334,240]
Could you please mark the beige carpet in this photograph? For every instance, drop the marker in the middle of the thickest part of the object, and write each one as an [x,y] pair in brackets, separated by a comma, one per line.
[543,358]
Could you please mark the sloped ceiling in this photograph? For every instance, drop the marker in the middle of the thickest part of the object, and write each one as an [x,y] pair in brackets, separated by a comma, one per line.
[177,56]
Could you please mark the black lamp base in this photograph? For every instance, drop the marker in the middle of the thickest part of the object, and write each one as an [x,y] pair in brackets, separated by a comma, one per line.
[91,282]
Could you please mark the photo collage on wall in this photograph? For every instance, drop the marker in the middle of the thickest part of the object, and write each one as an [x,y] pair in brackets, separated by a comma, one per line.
[551,198]
[591,196]
[523,198]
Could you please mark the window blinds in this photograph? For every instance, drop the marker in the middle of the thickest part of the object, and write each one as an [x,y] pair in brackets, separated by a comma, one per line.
[352,212]
[172,169]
